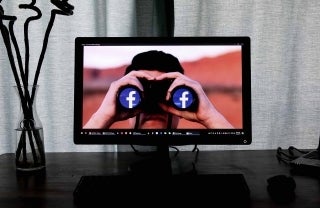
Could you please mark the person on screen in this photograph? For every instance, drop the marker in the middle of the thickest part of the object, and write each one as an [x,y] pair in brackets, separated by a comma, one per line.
[156,66]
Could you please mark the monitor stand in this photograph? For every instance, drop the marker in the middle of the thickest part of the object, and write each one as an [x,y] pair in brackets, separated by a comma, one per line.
[157,163]
[152,180]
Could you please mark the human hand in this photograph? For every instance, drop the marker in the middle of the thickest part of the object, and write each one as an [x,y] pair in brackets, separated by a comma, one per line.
[206,113]
[107,113]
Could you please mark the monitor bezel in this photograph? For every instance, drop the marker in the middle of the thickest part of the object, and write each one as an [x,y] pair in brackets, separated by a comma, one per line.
[217,137]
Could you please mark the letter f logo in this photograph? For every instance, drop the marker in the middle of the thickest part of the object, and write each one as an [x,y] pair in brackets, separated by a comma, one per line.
[184,99]
[131,98]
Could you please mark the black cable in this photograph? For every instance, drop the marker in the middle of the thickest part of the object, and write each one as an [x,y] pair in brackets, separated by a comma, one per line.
[194,168]
[196,149]
[134,149]
[281,159]
[284,157]
[292,148]
[281,153]
[177,151]
[137,152]
[149,153]
[137,122]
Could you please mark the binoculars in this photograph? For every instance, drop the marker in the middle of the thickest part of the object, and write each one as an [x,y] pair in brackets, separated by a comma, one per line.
[130,97]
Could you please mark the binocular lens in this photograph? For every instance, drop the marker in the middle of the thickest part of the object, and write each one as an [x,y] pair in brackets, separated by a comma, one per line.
[184,98]
[129,97]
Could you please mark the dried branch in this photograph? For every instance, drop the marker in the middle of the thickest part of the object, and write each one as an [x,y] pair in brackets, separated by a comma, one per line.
[22,77]
[26,33]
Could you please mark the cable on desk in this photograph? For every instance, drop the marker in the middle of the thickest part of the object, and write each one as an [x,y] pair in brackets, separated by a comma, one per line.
[282,159]
[137,152]
[177,150]
[283,156]
[194,162]
[291,150]
[149,153]
[196,149]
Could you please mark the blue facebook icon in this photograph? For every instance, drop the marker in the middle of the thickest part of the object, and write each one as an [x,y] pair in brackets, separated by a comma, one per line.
[129,97]
[183,98]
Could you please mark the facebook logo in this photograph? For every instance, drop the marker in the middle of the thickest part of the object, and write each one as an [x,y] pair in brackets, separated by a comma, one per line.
[183,98]
[129,97]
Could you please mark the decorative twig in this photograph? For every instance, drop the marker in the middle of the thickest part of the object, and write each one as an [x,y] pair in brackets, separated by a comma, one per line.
[66,9]
[26,32]
[7,42]
[18,54]
[28,127]
[64,6]
[24,95]
[37,137]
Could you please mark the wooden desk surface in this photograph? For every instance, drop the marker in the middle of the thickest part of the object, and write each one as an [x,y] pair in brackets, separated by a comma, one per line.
[56,186]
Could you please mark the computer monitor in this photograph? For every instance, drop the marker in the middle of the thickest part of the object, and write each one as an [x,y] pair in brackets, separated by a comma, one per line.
[162,92]
[200,87]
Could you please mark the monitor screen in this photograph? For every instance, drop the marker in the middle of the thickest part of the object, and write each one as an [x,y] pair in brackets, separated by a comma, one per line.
[154,90]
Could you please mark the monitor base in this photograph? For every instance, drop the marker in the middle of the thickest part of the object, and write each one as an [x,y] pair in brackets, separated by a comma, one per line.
[229,189]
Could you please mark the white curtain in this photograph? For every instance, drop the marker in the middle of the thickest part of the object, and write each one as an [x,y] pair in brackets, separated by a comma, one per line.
[285,62]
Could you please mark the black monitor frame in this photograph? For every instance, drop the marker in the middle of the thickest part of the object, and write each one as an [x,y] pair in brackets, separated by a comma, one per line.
[159,137]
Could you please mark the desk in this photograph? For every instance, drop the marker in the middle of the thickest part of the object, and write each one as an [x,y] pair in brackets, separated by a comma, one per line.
[55,187]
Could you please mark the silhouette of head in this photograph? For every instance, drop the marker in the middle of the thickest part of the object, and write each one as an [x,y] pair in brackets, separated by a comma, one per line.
[155,60]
